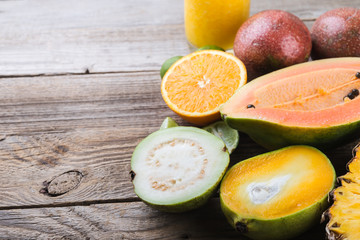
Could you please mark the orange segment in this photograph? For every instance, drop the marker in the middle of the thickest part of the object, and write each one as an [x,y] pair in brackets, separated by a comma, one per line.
[196,85]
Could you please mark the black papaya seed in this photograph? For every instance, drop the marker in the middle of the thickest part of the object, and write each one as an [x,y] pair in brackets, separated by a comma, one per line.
[250,106]
[353,94]
[357,75]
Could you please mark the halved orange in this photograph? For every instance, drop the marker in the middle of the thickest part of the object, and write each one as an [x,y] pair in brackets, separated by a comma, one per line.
[197,85]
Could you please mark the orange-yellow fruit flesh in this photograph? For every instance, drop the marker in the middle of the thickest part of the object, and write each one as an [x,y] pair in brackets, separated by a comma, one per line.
[309,91]
[310,178]
[354,165]
[201,84]
[345,212]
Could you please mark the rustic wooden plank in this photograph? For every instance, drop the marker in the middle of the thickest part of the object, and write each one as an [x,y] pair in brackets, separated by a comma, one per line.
[88,123]
[44,104]
[56,37]
[84,128]
[305,10]
[132,220]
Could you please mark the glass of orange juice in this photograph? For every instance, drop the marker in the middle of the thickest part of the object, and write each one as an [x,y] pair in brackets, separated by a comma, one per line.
[214,22]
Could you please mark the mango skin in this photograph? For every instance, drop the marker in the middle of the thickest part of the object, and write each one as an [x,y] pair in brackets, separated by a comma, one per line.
[277,229]
[286,227]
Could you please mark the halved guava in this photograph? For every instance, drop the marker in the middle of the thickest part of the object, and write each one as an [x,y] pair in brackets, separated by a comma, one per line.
[277,195]
[177,169]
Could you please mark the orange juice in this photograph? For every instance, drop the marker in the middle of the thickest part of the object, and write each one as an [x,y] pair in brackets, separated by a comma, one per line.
[214,22]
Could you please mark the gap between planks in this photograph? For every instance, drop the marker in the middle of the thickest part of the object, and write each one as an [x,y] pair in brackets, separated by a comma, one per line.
[73,204]
[87,72]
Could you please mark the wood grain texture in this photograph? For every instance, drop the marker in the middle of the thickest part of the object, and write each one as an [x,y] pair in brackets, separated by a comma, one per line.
[79,130]
[88,123]
[57,37]
[133,220]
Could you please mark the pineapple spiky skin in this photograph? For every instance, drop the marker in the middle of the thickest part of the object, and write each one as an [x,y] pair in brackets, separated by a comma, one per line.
[344,214]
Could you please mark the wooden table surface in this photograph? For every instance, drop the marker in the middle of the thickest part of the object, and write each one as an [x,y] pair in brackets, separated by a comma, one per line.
[79,89]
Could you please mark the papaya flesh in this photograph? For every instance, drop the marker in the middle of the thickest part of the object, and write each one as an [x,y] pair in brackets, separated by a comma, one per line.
[315,103]
[277,195]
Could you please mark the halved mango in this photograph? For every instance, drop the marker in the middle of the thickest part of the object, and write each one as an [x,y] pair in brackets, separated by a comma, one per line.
[277,195]
[315,103]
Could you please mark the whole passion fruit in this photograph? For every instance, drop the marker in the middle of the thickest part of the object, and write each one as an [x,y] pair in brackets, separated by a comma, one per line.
[270,40]
[336,33]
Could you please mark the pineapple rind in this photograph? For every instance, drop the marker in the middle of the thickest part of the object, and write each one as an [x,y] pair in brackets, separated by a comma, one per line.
[344,214]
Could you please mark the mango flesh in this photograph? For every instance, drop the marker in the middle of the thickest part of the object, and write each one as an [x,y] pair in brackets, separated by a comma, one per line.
[277,195]
[314,103]
[270,40]
[336,33]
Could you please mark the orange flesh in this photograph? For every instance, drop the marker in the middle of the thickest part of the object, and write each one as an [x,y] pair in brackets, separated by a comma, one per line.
[310,94]
[200,84]
[311,177]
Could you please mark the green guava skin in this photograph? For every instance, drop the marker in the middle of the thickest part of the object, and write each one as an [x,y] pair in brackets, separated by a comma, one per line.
[286,227]
[201,198]
[188,205]
[274,136]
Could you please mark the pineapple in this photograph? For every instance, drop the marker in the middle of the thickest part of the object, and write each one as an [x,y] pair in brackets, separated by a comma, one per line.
[344,214]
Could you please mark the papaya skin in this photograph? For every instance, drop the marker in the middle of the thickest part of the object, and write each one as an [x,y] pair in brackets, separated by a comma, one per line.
[274,128]
[274,136]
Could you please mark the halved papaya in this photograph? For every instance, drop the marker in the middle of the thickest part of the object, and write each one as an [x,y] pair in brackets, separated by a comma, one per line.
[277,195]
[314,103]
